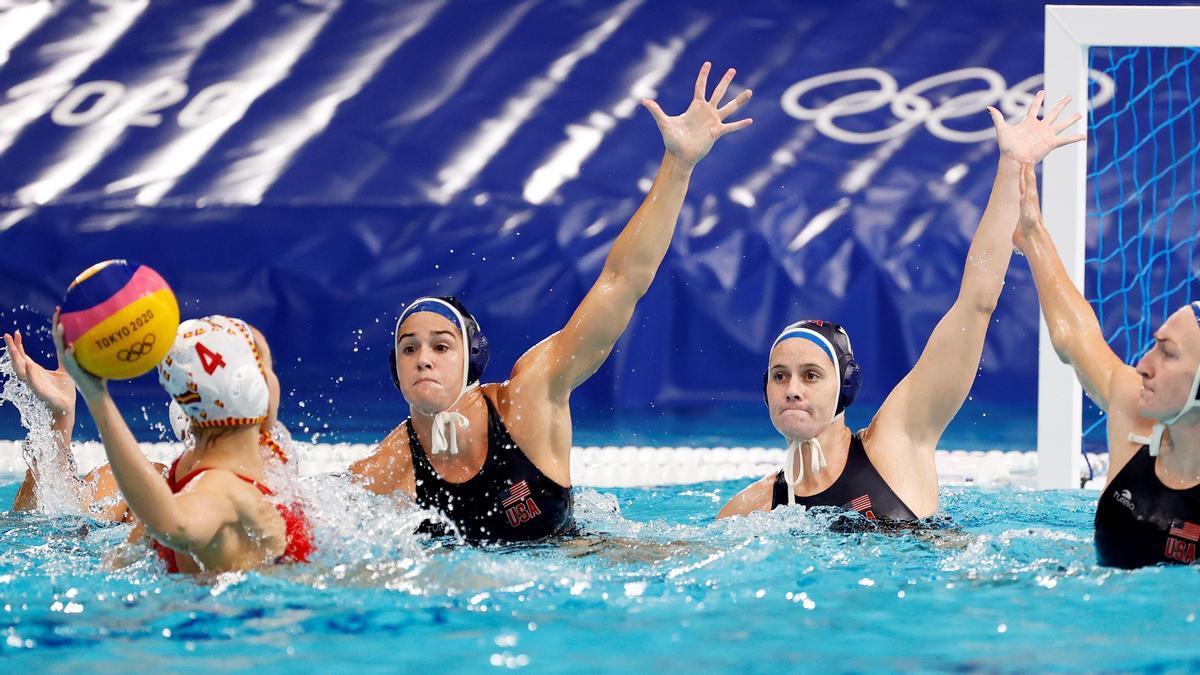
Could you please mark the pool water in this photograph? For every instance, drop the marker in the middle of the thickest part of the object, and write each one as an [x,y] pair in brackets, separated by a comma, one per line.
[1005,580]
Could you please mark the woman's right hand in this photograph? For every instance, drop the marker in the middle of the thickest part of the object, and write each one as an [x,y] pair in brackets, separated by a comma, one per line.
[52,387]
[1031,210]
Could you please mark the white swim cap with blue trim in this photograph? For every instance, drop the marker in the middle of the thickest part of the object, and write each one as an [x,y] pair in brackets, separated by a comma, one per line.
[799,331]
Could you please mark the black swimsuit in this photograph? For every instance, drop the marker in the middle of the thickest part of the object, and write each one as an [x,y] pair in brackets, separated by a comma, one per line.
[860,488]
[508,500]
[1140,521]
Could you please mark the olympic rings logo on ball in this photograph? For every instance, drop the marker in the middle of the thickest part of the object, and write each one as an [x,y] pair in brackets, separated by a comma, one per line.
[912,108]
[138,350]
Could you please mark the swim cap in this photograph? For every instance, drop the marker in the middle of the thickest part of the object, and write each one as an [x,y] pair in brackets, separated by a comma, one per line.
[1193,400]
[453,310]
[833,340]
[215,373]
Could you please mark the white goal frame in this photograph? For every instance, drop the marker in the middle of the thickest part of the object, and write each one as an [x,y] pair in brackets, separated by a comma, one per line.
[1070,31]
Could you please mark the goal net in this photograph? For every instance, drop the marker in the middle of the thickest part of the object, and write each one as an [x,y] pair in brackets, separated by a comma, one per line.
[1122,208]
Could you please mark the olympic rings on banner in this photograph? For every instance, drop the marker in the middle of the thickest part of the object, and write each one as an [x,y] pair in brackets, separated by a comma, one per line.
[912,108]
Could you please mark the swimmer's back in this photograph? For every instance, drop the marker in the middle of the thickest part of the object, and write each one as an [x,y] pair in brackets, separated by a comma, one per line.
[244,529]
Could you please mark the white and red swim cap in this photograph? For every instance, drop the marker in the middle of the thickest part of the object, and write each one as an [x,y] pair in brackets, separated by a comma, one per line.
[215,373]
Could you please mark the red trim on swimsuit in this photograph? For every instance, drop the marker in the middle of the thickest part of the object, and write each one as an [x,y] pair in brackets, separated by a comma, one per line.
[296,526]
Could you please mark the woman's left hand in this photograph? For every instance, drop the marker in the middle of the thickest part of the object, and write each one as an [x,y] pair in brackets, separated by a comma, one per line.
[690,135]
[89,385]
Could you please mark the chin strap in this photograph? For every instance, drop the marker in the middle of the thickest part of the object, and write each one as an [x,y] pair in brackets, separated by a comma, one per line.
[793,464]
[445,436]
[1154,440]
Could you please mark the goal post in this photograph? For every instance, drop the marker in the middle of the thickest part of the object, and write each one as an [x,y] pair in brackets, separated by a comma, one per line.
[1069,33]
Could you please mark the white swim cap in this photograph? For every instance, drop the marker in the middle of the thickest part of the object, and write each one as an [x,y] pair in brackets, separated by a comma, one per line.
[215,373]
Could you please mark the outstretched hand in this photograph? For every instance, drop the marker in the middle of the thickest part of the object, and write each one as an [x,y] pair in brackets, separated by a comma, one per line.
[52,387]
[689,136]
[1031,208]
[1028,141]
[89,385]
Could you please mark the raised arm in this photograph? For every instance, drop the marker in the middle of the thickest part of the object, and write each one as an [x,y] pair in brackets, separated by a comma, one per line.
[1074,329]
[55,389]
[571,355]
[179,521]
[925,401]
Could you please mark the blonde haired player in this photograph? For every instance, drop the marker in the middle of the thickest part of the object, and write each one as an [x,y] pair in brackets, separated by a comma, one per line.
[212,512]
[97,492]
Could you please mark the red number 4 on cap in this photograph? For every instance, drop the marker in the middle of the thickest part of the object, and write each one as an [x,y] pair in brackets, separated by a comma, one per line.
[209,359]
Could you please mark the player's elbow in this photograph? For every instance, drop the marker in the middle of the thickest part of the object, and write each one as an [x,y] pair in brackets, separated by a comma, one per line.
[1063,340]
[980,302]
[633,284]
[986,306]
[173,534]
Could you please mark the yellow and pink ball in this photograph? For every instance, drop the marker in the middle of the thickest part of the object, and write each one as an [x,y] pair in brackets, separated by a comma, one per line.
[121,318]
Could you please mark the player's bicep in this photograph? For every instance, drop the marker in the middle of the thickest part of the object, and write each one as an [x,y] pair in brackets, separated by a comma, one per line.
[580,348]
[922,405]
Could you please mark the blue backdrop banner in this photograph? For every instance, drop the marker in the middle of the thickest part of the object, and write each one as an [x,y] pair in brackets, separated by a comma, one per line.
[310,166]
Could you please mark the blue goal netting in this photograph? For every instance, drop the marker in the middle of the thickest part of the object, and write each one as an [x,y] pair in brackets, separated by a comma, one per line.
[1142,194]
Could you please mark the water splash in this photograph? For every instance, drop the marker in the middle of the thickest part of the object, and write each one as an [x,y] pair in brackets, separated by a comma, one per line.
[57,487]
[364,539]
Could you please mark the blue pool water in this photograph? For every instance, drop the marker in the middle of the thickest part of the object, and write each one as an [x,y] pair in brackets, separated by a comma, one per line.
[1007,582]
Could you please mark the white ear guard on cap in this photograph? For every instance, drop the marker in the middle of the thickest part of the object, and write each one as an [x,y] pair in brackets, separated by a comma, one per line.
[181,425]
[215,374]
